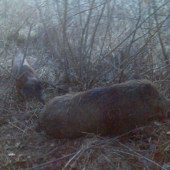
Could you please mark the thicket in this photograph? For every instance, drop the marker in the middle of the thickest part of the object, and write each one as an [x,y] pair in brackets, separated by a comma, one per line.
[92,43]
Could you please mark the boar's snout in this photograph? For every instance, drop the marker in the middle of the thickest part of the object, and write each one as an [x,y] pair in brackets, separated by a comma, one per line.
[39,95]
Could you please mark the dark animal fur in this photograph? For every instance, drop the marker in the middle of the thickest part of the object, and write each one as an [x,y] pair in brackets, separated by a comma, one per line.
[110,110]
[27,83]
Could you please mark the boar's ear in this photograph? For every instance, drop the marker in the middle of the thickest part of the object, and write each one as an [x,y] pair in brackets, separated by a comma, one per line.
[148,90]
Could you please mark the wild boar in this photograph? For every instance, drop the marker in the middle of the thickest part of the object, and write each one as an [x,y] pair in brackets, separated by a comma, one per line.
[27,82]
[112,110]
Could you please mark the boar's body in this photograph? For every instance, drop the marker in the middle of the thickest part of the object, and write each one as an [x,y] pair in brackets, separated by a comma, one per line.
[111,110]
[27,82]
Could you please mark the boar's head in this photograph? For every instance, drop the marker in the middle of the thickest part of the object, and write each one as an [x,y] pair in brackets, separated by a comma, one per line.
[33,87]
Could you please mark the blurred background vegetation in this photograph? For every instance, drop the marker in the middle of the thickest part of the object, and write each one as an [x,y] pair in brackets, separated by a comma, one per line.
[90,43]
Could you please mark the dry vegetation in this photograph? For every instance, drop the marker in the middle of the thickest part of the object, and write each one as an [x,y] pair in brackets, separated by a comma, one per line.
[75,45]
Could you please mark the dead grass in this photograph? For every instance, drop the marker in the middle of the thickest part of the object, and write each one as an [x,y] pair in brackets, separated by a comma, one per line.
[23,148]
